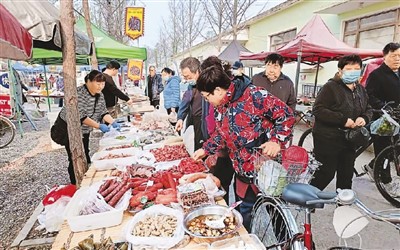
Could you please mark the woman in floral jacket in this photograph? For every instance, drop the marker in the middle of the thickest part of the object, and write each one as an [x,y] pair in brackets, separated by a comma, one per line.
[246,117]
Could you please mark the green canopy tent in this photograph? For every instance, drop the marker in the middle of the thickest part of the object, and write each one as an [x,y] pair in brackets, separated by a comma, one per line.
[106,49]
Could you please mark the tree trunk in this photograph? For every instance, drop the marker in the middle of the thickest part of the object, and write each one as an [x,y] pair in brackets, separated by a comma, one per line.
[67,21]
[90,33]
[235,17]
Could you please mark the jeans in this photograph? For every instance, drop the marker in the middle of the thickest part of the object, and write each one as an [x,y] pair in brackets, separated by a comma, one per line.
[246,207]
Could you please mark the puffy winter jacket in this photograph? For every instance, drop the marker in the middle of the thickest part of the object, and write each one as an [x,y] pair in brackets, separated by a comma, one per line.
[172,95]
[248,117]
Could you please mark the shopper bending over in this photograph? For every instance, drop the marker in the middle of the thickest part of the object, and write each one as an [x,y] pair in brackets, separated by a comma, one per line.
[246,117]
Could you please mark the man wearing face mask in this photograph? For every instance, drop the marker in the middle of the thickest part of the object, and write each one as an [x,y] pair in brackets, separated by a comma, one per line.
[277,83]
[341,104]
[192,105]
[238,73]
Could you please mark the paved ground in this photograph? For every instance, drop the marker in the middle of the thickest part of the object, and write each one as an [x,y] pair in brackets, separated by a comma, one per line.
[377,235]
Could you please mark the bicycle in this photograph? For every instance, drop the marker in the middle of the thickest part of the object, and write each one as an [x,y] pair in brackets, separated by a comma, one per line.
[385,170]
[7,131]
[280,230]
[272,222]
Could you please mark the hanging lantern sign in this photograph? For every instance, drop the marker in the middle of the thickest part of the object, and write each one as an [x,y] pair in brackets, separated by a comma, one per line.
[134,22]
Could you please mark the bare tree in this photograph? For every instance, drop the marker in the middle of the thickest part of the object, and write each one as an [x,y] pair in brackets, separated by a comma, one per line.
[237,13]
[86,11]
[216,13]
[67,21]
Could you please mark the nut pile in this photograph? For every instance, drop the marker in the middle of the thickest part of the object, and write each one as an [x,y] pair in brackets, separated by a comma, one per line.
[158,226]
[198,226]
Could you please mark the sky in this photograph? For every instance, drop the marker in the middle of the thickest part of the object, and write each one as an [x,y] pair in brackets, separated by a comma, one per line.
[156,10]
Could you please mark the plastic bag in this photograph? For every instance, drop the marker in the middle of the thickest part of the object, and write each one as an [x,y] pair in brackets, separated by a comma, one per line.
[271,179]
[112,133]
[57,192]
[53,215]
[156,242]
[385,126]
[172,117]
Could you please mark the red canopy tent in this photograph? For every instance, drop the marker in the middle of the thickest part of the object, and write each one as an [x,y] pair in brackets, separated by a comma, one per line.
[15,40]
[314,44]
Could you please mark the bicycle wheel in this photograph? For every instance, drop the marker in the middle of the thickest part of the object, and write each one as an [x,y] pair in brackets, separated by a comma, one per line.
[274,224]
[306,140]
[7,132]
[385,174]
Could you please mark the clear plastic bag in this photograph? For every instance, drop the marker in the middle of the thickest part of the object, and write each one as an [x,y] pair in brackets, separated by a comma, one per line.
[272,178]
[385,126]
[153,241]
[52,216]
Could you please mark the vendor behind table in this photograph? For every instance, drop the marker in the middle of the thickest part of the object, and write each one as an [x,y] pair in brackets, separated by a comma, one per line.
[92,109]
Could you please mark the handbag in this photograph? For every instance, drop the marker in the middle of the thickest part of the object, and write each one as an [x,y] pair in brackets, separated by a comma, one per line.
[358,136]
[59,132]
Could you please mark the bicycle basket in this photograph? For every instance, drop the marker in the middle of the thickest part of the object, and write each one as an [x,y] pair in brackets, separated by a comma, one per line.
[272,176]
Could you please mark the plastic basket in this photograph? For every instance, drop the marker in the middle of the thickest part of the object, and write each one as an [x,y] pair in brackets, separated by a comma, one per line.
[271,176]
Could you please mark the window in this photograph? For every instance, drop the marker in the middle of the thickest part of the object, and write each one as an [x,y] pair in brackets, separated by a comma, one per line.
[308,90]
[280,39]
[374,31]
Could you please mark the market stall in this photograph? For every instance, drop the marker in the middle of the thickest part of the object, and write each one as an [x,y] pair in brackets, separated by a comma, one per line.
[145,189]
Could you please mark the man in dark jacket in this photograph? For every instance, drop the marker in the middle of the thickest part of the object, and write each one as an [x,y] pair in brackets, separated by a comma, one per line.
[111,92]
[238,74]
[275,81]
[154,87]
[383,86]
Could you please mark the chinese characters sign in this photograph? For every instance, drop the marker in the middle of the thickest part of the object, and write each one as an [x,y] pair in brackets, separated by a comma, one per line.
[134,22]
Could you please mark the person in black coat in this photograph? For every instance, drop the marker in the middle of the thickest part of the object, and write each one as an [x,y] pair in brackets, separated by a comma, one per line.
[341,104]
[383,86]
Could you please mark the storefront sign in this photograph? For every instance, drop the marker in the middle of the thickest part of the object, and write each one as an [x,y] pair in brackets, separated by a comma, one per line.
[5,105]
[135,69]
[134,22]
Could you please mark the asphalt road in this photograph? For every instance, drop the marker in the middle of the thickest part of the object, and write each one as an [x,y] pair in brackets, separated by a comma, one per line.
[376,235]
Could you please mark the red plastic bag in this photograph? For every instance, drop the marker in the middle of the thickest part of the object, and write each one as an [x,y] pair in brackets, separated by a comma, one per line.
[57,192]
[295,158]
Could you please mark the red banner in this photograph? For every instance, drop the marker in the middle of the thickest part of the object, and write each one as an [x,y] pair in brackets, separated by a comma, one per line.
[5,105]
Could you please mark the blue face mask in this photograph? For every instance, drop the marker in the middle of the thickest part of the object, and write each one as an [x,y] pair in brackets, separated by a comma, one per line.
[350,76]
[191,82]
[165,78]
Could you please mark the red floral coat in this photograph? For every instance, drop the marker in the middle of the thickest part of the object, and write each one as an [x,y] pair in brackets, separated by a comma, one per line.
[248,117]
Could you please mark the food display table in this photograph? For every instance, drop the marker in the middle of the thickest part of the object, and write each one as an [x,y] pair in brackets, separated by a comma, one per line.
[68,239]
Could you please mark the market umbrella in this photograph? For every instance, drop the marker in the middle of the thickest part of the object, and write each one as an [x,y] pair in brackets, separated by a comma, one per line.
[15,40]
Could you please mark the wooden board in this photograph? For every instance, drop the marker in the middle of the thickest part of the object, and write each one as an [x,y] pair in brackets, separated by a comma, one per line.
[68,239]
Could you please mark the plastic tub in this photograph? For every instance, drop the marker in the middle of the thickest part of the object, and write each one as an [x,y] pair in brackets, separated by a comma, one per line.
[79,223]
[110,163]
[242,242]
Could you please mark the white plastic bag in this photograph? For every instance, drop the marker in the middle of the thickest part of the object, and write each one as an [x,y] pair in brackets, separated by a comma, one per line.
[53,215]
[156,242]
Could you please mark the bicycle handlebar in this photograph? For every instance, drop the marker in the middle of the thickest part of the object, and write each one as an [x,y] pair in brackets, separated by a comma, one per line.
[348,197]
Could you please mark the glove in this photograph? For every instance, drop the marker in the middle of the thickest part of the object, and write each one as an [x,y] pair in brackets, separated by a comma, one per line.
[116,125]
[104,128]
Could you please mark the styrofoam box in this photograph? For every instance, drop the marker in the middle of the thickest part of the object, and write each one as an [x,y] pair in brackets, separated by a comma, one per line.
[79,223]
[110,163]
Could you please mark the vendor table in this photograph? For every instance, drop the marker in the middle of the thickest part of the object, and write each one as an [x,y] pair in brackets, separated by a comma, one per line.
[37,97]
[71,239]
